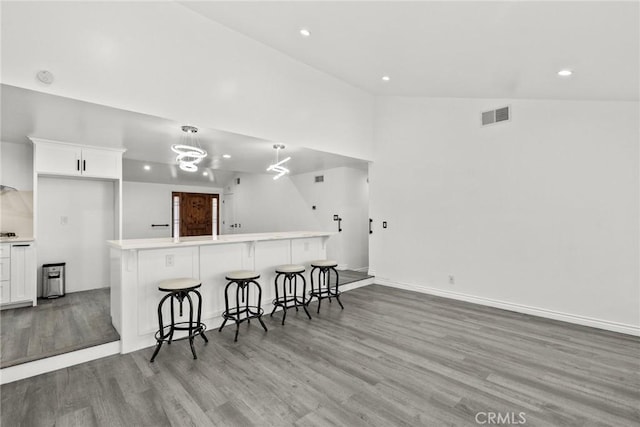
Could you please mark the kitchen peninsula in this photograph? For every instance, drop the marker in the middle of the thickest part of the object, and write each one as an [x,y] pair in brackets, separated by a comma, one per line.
[138,265]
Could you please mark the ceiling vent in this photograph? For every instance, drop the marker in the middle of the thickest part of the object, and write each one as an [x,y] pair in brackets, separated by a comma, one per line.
[495,116]
[320,178]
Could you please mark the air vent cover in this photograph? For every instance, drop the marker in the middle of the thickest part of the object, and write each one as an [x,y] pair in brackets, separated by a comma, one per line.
[498,115]
[320,178]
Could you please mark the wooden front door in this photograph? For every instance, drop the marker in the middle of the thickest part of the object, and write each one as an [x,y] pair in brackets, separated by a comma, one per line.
[196,213]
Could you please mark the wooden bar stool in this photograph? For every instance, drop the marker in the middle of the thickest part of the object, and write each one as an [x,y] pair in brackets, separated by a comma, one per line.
[242,282]
[290,274]
[179,289]
[322,288]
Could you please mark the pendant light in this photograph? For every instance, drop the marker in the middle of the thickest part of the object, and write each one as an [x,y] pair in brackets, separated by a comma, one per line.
[277,166]
[189,153]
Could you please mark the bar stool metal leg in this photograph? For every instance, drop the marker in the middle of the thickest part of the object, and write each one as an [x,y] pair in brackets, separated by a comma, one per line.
[243,309]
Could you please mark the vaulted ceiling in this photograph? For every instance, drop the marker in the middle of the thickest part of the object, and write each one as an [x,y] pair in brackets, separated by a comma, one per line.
[488,49]
[507,49]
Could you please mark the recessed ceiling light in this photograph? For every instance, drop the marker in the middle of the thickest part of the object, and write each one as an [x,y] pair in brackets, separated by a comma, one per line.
[147,167]
[226,156]
[205,173]
[565,73]
[305,33]
[386,78]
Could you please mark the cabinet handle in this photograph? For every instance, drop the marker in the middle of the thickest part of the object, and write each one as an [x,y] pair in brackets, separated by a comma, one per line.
[78,164]
[370,222]
[84,165]
[159,225]
[20,246]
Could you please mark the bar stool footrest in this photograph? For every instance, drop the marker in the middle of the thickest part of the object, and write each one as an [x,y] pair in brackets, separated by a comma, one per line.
[325,293]
[196,329]
[296,301]
[236,314]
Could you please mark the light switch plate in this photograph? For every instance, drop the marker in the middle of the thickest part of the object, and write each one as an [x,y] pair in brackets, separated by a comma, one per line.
[384,224]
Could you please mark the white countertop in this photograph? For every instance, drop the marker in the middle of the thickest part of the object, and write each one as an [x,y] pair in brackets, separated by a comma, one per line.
[16,239]
[167,242]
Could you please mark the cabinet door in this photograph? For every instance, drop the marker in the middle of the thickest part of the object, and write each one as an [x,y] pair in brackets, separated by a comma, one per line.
[98,163]
[58,159]
[23,272]
[5,268]
[5,292]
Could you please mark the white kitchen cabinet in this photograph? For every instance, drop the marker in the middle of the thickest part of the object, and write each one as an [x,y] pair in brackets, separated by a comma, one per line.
[5,273]
[23,272]
[61,158]
[17,273]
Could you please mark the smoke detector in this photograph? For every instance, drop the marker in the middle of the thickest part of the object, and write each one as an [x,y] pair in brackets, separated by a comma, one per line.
[45,77]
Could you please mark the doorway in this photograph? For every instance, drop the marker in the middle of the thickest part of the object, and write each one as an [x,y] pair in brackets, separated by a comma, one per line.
[229,220]
[199,213]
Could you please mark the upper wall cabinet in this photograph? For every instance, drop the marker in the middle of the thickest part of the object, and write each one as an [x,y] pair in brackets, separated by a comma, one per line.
[61,158]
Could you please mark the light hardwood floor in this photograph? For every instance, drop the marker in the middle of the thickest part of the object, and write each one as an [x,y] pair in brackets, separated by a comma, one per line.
[392,357]
[55,326]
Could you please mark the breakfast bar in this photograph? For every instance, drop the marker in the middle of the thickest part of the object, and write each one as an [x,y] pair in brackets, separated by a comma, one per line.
[138,265]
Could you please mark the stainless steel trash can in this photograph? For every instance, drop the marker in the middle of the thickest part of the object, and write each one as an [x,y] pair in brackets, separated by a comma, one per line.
[53,280]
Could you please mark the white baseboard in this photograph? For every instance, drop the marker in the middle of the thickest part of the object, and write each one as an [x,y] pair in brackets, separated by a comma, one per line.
[53,363]
[361,269]
[519,308]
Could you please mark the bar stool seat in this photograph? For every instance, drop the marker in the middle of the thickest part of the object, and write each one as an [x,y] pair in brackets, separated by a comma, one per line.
[180,289]
[290,268]
[324,263]
[246,306]
[290,273]
[322,269]
[242,275]
[180,284]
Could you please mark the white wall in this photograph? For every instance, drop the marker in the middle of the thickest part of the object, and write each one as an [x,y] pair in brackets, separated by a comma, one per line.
[145,203]
[163,59]
[16,170]
[541,211]
[263,205]
[76,218]
[16,165]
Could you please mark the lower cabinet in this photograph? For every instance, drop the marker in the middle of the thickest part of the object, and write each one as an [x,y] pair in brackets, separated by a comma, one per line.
[18,273]
[5,276]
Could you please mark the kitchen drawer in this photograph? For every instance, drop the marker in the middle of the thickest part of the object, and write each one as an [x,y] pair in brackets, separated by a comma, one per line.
[5,250]
[5,268]
[5,291]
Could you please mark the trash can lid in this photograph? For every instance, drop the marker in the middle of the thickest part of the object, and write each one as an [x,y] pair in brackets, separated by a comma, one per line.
[60,264]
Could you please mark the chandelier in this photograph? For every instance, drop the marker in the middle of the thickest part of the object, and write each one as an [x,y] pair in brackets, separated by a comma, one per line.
[277,166]
[189,153]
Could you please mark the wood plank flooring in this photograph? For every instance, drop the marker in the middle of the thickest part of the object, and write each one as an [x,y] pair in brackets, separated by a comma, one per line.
[391,358]
[55,326]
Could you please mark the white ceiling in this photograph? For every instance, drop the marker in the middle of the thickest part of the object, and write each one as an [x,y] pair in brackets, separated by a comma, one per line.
[509,49]
[147,139]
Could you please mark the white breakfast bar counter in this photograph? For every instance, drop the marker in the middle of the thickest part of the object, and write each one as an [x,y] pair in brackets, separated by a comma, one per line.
[138,265]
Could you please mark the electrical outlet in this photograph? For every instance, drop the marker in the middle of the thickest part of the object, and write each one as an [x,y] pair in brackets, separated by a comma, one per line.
[169,260]
[452,279]
[64,220]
